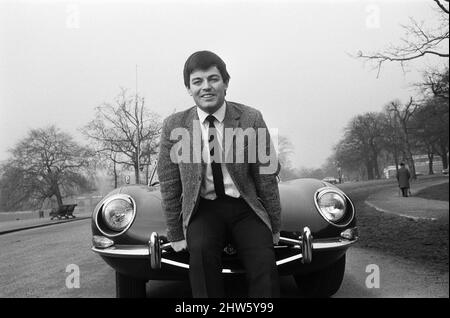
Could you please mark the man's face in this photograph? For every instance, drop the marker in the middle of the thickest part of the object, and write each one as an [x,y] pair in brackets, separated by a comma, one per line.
[208,89]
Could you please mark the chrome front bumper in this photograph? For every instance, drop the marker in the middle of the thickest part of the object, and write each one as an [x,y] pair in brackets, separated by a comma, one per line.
[154,251]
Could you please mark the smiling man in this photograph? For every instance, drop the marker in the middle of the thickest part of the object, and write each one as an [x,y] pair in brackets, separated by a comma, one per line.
[209,204]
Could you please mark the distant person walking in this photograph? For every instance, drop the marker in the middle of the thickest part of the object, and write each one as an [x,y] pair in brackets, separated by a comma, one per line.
[403,177]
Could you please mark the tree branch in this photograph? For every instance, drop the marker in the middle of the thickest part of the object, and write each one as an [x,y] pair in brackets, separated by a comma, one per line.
[442,6]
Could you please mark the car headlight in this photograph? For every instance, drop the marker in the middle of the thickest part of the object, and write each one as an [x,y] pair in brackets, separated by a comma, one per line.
[332,205]
[118,212]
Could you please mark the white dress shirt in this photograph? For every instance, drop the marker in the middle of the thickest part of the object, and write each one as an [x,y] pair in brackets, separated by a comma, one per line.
[207,187]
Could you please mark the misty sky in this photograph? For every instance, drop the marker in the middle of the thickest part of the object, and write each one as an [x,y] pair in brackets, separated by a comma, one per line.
[290,59]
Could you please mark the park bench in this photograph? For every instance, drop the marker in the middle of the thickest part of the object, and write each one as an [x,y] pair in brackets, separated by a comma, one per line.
[70,211]
[64,211]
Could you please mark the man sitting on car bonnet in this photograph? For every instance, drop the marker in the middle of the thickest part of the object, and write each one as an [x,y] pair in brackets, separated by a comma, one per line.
[212,202]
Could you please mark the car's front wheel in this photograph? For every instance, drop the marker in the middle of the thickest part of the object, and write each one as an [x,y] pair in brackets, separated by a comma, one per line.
[324,283]
[129,287]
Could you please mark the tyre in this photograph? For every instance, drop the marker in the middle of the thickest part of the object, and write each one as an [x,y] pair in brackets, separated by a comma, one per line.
[324,283]
[129,287]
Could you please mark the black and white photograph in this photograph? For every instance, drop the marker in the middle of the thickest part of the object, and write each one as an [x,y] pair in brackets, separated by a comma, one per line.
[224,155]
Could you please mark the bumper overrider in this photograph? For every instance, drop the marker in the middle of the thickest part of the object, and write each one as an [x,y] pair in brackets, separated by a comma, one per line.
[157,252]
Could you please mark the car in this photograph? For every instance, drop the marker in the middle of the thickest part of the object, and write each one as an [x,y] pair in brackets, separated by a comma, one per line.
[318,226]
[445,171]
[331,180]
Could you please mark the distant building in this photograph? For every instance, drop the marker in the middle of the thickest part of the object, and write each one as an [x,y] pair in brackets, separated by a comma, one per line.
[421,163]
[390,172]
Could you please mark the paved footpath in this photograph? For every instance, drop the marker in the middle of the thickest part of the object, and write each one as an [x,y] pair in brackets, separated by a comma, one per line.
[390,201]
[18,225]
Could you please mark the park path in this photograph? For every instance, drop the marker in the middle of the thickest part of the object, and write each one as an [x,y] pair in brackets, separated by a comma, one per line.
[390,201]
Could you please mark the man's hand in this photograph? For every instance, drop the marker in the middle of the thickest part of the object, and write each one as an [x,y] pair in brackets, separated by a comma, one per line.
[179,245]
[276,238]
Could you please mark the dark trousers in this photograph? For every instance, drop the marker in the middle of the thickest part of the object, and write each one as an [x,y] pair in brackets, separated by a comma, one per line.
[405,192]
[212,225]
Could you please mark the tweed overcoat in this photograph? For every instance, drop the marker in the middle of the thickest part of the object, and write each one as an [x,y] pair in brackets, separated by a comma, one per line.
[180,181]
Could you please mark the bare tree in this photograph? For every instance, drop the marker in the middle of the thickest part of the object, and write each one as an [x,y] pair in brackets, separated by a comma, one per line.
[435,84]
[405,115]
[392,140]
[126,131]
[285,151]
[434,114]
[361,146]
[432,123]
[371,125]
[107,160]
[418,41]
[44,164]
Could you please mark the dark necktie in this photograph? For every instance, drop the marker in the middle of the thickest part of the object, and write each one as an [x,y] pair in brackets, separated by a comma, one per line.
[216,166]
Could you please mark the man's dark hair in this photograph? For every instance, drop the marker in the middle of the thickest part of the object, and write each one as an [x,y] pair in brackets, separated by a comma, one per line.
[202,60]
[402,164]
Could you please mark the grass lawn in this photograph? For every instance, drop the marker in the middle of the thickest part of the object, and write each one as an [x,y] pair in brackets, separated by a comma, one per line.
[423,241]
[437,192]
